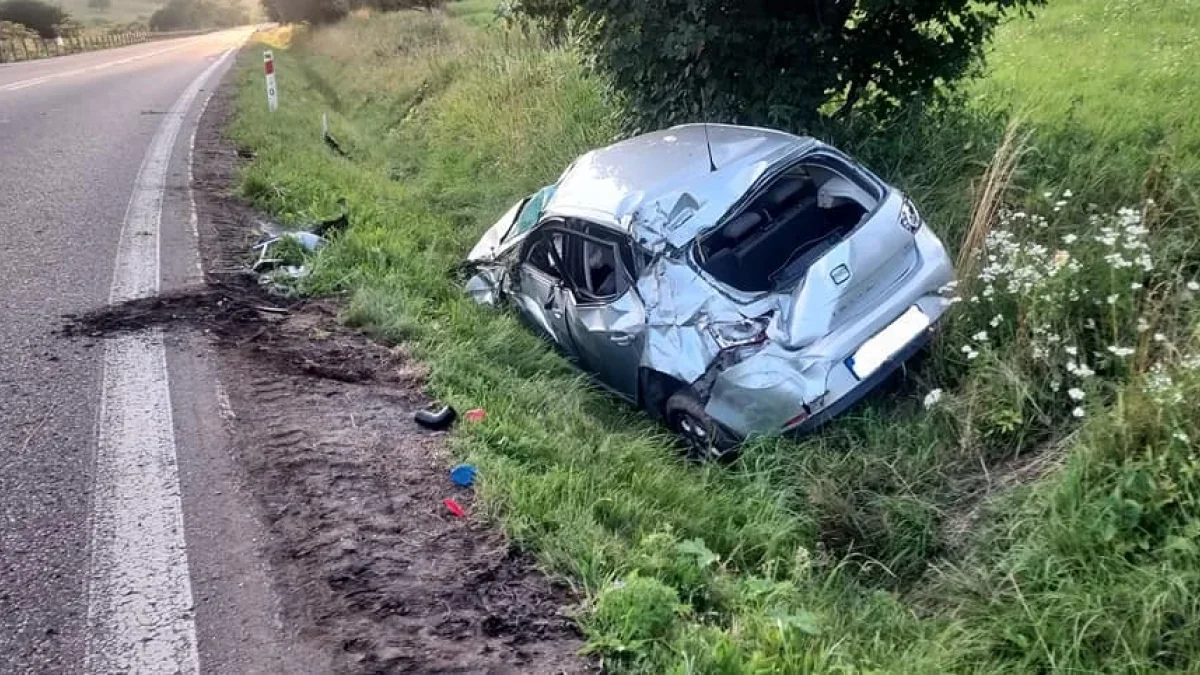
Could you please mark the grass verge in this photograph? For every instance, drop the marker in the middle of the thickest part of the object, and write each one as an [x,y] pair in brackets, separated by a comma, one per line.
[885,542]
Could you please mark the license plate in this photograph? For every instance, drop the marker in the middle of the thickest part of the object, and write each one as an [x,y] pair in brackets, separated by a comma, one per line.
[884,344]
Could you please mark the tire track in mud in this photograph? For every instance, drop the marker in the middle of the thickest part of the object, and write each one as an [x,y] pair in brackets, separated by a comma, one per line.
[354,491]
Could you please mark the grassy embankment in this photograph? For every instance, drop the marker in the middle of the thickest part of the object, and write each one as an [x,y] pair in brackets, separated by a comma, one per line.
[1042,515]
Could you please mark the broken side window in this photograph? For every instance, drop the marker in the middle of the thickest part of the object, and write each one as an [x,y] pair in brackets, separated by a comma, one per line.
[594,267]
[539,254]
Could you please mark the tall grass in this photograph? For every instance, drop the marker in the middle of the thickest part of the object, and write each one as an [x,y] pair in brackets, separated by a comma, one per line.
[1075,335]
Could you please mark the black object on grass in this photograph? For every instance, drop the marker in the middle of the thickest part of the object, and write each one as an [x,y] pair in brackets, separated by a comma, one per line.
[436,417]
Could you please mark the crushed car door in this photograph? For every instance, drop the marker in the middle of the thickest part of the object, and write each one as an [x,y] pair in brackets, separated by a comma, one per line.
[542,294]
[606,317]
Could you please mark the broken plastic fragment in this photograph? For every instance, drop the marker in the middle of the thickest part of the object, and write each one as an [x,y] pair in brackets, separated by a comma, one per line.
[453,507]
[463,475]
[476,415]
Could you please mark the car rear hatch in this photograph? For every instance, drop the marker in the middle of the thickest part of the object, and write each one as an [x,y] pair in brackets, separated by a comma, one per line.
[851,278]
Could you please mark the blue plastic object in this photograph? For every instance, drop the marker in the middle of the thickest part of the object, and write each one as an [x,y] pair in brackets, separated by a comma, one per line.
[463,475]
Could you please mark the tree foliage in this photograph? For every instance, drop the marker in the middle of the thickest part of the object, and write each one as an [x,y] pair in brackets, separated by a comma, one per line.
[775,62]
[198,14]
[36,15]
[328,11]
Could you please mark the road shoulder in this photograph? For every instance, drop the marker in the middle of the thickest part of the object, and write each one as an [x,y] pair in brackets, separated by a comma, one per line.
[369,565]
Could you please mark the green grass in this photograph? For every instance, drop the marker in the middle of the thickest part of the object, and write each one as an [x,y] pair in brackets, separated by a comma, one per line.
[475,12]
[833,552]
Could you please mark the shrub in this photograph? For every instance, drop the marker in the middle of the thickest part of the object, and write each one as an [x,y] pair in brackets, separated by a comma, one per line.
[771,62]
[34,14]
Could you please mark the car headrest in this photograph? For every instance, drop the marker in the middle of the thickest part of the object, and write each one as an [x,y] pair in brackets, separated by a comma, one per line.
[740,226]
[784,190]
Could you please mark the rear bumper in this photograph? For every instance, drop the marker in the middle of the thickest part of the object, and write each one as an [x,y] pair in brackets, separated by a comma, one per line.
[776,391]
[864,387]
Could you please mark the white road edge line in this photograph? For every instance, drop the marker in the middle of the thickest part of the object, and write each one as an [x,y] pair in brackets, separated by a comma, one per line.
[140,609]
[34,81]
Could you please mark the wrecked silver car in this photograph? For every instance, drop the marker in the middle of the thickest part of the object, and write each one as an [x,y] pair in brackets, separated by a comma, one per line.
[735,281]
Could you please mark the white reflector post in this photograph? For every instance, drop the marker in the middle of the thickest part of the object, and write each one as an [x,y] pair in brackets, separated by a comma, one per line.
[272,92]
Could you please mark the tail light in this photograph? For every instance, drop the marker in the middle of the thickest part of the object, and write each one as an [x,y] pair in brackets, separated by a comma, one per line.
[910,218]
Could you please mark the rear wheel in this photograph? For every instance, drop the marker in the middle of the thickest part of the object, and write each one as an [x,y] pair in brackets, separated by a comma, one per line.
[703,438]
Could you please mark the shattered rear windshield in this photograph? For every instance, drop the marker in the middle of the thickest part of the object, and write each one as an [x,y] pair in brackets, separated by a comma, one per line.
[532,210]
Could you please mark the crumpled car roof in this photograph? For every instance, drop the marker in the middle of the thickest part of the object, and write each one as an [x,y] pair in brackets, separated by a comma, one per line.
[651,185]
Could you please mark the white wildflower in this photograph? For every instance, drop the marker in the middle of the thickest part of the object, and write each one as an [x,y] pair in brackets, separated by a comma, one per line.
[1112,299]
[1161,387]
[1070,239]
[1075,393]
[1137,286]
[1180,436]
[1072,350]
[996,321]
[1143,325]
[932,398]
[1120,351]
[1047,194]
[1078,412]
[981,336]
[1193,285]
[1159,337]
[1067,194]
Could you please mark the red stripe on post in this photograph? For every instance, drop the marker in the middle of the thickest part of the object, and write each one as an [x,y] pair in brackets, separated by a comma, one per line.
[270,66]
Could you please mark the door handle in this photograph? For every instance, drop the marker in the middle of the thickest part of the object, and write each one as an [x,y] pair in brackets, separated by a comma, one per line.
[622,339]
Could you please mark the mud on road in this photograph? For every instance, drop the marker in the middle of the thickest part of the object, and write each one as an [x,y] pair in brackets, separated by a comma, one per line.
[366,559]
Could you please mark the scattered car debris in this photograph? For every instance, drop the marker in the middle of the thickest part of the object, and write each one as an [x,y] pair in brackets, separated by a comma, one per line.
[281,253]
[436,417]
[735,281]
[453,507]
[463,475]
[270,256]
[476,415]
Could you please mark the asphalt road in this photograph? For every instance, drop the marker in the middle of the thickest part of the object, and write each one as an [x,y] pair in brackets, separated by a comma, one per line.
[125,545]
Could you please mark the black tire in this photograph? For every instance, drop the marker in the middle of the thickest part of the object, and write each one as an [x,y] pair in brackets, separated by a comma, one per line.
[704,439]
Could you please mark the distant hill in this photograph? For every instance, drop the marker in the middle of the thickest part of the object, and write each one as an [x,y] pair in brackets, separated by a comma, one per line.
[124,11]
[121,11]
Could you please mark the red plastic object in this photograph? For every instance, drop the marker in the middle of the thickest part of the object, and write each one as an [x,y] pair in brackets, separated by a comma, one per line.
[453,507]
[476,415]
